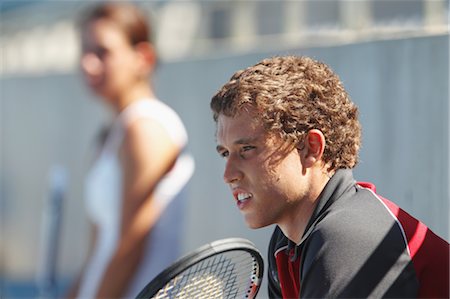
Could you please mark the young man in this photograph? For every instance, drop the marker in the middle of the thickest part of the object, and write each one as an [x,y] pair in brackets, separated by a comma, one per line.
[290,136]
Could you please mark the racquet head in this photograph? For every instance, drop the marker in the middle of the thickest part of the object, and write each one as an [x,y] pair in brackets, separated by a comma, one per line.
[227,268]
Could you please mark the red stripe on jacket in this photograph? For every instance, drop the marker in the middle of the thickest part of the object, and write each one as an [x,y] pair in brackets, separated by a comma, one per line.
[289,274]
[429,252]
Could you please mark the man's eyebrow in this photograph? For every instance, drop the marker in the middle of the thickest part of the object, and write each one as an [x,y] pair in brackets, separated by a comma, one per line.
[245,140]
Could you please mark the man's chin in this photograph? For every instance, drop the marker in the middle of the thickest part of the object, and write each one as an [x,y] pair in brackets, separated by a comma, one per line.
[255,224]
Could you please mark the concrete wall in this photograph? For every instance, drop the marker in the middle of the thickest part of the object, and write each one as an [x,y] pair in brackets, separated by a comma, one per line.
[401,87]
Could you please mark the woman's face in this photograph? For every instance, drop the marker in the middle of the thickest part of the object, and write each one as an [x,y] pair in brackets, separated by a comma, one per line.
[109,62]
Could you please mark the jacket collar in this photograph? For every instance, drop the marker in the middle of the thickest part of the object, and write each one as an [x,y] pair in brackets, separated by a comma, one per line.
[339,183]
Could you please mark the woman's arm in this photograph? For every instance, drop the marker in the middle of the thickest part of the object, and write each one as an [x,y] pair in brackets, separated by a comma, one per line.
[147,154]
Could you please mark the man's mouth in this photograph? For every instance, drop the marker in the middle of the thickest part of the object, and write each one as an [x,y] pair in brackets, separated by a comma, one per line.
[242,197]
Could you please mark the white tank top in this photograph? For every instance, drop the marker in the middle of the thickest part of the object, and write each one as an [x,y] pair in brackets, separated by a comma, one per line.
[103,191]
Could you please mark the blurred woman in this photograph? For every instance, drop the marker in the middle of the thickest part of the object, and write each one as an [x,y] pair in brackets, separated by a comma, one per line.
[134,188]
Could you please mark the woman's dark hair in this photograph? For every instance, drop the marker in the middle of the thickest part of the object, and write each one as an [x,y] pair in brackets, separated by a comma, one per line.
[126,16]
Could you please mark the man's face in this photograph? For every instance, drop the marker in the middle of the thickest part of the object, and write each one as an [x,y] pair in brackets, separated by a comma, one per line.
[263,171]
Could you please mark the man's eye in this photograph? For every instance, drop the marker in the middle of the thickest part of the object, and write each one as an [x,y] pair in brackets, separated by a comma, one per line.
[245,149]
[223,154]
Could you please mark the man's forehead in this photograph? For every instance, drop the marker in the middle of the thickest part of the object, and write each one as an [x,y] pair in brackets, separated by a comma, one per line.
[244,121]
[241,129]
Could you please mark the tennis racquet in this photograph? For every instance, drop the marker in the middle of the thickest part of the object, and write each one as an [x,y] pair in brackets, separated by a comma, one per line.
[227,268]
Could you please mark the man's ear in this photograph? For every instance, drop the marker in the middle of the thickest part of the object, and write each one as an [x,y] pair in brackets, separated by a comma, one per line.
[147,56]
[314,145]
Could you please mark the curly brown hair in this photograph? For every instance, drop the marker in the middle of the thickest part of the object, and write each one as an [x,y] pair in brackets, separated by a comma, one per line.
[294,94]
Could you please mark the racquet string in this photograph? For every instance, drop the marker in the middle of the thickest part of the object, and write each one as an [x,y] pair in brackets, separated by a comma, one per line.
[230,274]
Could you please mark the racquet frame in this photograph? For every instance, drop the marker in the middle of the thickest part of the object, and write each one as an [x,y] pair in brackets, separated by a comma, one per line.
[202,253]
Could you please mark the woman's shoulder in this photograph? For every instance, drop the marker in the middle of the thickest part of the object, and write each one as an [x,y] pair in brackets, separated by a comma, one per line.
[156,112]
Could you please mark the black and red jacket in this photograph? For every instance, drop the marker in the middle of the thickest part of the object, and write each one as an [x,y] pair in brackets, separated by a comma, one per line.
[358,245]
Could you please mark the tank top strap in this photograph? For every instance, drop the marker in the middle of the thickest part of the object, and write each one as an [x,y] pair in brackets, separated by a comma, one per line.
[152,109]
[124,118]
[159,112]
[136,110]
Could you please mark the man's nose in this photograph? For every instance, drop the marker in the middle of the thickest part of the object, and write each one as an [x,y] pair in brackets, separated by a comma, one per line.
[232,173]
[91,64]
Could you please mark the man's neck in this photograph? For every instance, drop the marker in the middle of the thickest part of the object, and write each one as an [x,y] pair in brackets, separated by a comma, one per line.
[294,225]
